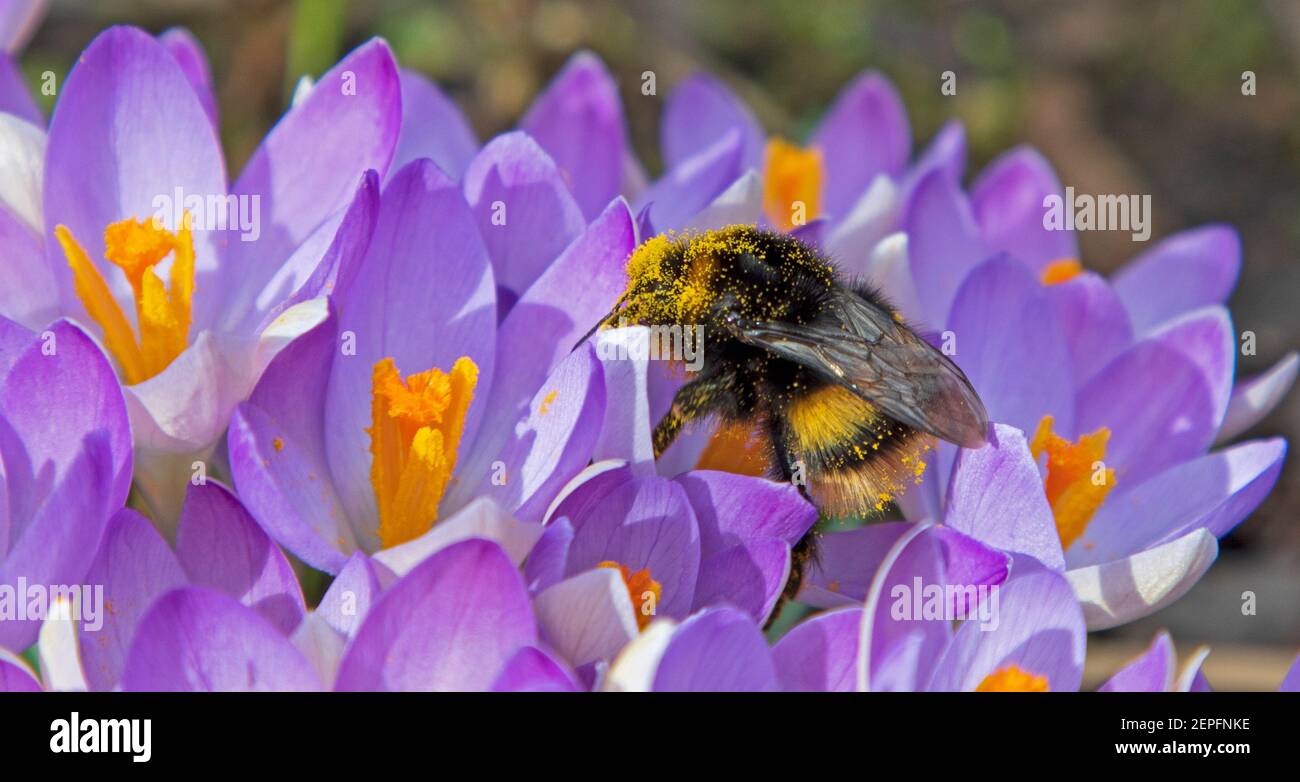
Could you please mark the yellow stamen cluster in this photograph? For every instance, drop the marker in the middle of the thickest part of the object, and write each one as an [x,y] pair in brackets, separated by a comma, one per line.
[1061,271]
[1013,678]
[1077,479]
[792,176]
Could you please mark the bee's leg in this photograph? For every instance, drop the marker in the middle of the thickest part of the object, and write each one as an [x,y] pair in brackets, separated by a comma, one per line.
[804,553]
[693,400]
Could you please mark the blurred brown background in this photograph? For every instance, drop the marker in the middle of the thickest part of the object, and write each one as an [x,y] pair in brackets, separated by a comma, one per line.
[1122,96]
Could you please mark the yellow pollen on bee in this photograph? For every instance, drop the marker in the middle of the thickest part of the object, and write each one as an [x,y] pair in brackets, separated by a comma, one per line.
[792,175]
[163,313]
[1013,678]
[1077,479]
[644,591]
[1064,270]
[416,425]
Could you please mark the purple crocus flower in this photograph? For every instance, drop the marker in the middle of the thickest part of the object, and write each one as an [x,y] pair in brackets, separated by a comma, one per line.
[18,20]
[189,349]
[1156,670]
[719,649]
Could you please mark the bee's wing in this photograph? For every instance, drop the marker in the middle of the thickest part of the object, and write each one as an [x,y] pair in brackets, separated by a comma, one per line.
[885,363]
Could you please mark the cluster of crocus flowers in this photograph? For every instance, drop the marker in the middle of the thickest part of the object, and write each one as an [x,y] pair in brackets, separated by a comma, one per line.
[386,387]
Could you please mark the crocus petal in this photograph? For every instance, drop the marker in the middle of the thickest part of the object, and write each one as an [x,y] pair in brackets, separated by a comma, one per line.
[634,668]
[587,617]
[533,670]
[682,193]
[198,640]
[321,644]
[890,268]
[14,96]
[220,546]
[847,562]
[189,54]
[945,153]
[701,110]
[452,623]
[820,654]
[944,243]
[15,675]
[716,650]
[996,496]
[28,293]
[736,509]
[865,133]
[1094,321]
[1291,682]
[1206,337]
[1009,201]
[1185,271]
[740,204]
[433,127]
[626,433]
[18,20]
[1151,671]
[749,576]
[1122,590]
[523,208]
[482,518]
[854,236]
[1255,397]
[578,120]
[350,595]
[22,157]
[1191,678]
[135,567]
[59,650]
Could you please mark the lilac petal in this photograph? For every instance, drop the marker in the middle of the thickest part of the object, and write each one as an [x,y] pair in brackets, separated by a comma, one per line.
[1216,492]
[716,650]
[1205,337]
[1291,682]
[277,453]
[22,154]
[898,650]
[969,565]
[18,20]
[546,562]
[626,433]
[1008,199]
[103,164]
[14,96]
[820,654]
[1192,678]
[14,339]
[28,293]
[199,640]
[424,297]
[749,576]
[1185,271]
[15,676]
[996,496]
[736,509]
[1125,589]
[1152,671]
[523,208]
[1255,397]
[533,670]
[944,244]
[587,617]
[350,596]
[321,644]
[135,567]
[701,110]
[847,562]
[678,197]
[1094,321]
[482,519]
[58,650]
[865,133]
[741,203]
[578,120]
[220,546]
[1037,627]
[433,127]
[1158,406]
[189,54]
[452,623]
[855,237]
[351,118]
[946,153]
[646,523]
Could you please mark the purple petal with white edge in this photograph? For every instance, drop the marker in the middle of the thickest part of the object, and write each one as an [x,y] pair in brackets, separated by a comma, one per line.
[589,616]
[736,509]
[716,650]
[1255,397]
[847,562]
[200,640]
[740,204]
[1119,591]
[996,496]
[135,567]
[944,244]
[424,297]
[1009,199]
[865,133]
[646,523]
[578,120]
[433,127]
[321,644]
[1151,671]
[1192,678]
[22,154]
[15,676]
[15,98]
[277,453]
[626,433]
[945,153]
[104,165]
[971,568]
[1291,682]
[452,623]
[749,576]
[523,208]
[1188,270]
[1158,406]
[681,194]
[821,653]
[1094,321]
[1037,627]
[890,268]
[351,118]
[853,238]
[545,565]
[58,649]
[27,290]
[548,442]
[18,20]
[1215,492]
[533,670]
[482,518]
[1205,336]
[350,595]
[220,546]
[701,110]
[189,54]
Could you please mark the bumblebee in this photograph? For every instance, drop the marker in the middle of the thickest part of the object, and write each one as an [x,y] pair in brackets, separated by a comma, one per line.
[848,399]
